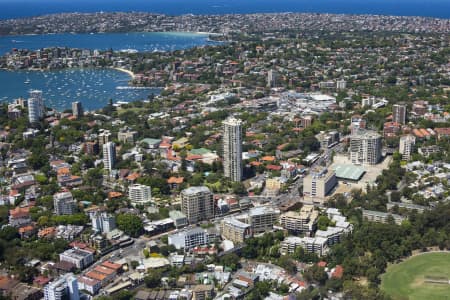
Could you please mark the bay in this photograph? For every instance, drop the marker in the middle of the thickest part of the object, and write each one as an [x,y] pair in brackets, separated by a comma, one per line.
[92,87]
[139,41]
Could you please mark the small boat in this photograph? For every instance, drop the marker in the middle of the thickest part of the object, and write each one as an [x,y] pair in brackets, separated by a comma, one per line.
[28,81]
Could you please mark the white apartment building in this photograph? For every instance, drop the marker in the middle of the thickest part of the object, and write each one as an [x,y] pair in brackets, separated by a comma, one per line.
[365,147]
[103,222]
[36,108]
[64,203]
[109,156]
[65,287]
[406,146]
[197,204]
[140,194]
[232,148]
[189,238]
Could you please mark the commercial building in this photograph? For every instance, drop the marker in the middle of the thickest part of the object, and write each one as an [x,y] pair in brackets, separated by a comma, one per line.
[365,147]
[109,156]
[319,183]
[78,257]
[77,109]
[304,221]
[189,238]
[103,222]
[235,230]
[349,172]
[36,108]
[64,203]
[328,139]
[179,219]
[197,204]
[65,287]
[316,245]
[406,146]
[232,148]
[140,194]
[399,113]
[272,77]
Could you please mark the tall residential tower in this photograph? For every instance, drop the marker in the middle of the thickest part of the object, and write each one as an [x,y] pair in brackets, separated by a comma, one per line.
[232,148]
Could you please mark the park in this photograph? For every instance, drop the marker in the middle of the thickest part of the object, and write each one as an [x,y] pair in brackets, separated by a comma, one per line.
[424,276]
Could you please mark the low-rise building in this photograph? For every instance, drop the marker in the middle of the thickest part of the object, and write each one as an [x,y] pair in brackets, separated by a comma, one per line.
[316,245]
[80,258]
[381,217]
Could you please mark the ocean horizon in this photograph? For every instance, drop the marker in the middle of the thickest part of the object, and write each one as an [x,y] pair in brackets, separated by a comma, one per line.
[26,8]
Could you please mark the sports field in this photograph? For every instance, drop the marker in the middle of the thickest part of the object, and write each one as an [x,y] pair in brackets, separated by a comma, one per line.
[406,280]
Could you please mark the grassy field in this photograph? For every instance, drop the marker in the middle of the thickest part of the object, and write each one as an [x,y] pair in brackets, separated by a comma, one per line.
[406,280]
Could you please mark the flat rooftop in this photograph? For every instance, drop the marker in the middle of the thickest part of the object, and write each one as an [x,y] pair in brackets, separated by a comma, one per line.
[349,172]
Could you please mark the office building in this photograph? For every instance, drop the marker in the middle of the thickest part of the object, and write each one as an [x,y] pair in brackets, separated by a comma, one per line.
[319,183]
[140,194]
[406,146]
[109,156]
[65,287]
[365,147]
[235,230]
[78,257]
[77,109]
[36,109]
[197,204]
[232,148]
[64,203]
[328,139]
[399,113]
[303,222]
[103,222]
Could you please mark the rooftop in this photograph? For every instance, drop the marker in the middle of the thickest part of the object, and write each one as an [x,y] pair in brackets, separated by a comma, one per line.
[349,172]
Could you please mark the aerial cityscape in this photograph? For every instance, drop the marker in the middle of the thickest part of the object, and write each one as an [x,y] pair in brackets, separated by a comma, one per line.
[230,150]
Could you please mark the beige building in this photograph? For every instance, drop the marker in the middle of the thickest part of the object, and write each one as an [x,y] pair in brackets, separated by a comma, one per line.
[262,218]
[304,221]
[197,204]
[202,292]
[273,187]
[319,183]
[235,230]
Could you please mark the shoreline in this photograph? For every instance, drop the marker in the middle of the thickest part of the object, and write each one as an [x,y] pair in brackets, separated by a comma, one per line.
[133,76]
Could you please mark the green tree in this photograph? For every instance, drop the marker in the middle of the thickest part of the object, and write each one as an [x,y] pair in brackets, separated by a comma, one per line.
[130,224]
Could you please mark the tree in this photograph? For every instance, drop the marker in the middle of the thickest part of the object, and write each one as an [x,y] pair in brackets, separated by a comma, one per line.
[130,224]
[153,279]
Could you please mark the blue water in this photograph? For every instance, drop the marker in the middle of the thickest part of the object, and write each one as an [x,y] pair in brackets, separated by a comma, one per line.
[93,87]
[146,41]
[431,8]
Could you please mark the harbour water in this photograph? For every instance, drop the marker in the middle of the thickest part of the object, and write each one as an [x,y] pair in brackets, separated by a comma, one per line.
[138,41]
[92,87]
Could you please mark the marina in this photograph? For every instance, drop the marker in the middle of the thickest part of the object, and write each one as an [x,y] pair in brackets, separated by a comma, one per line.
[92,87]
